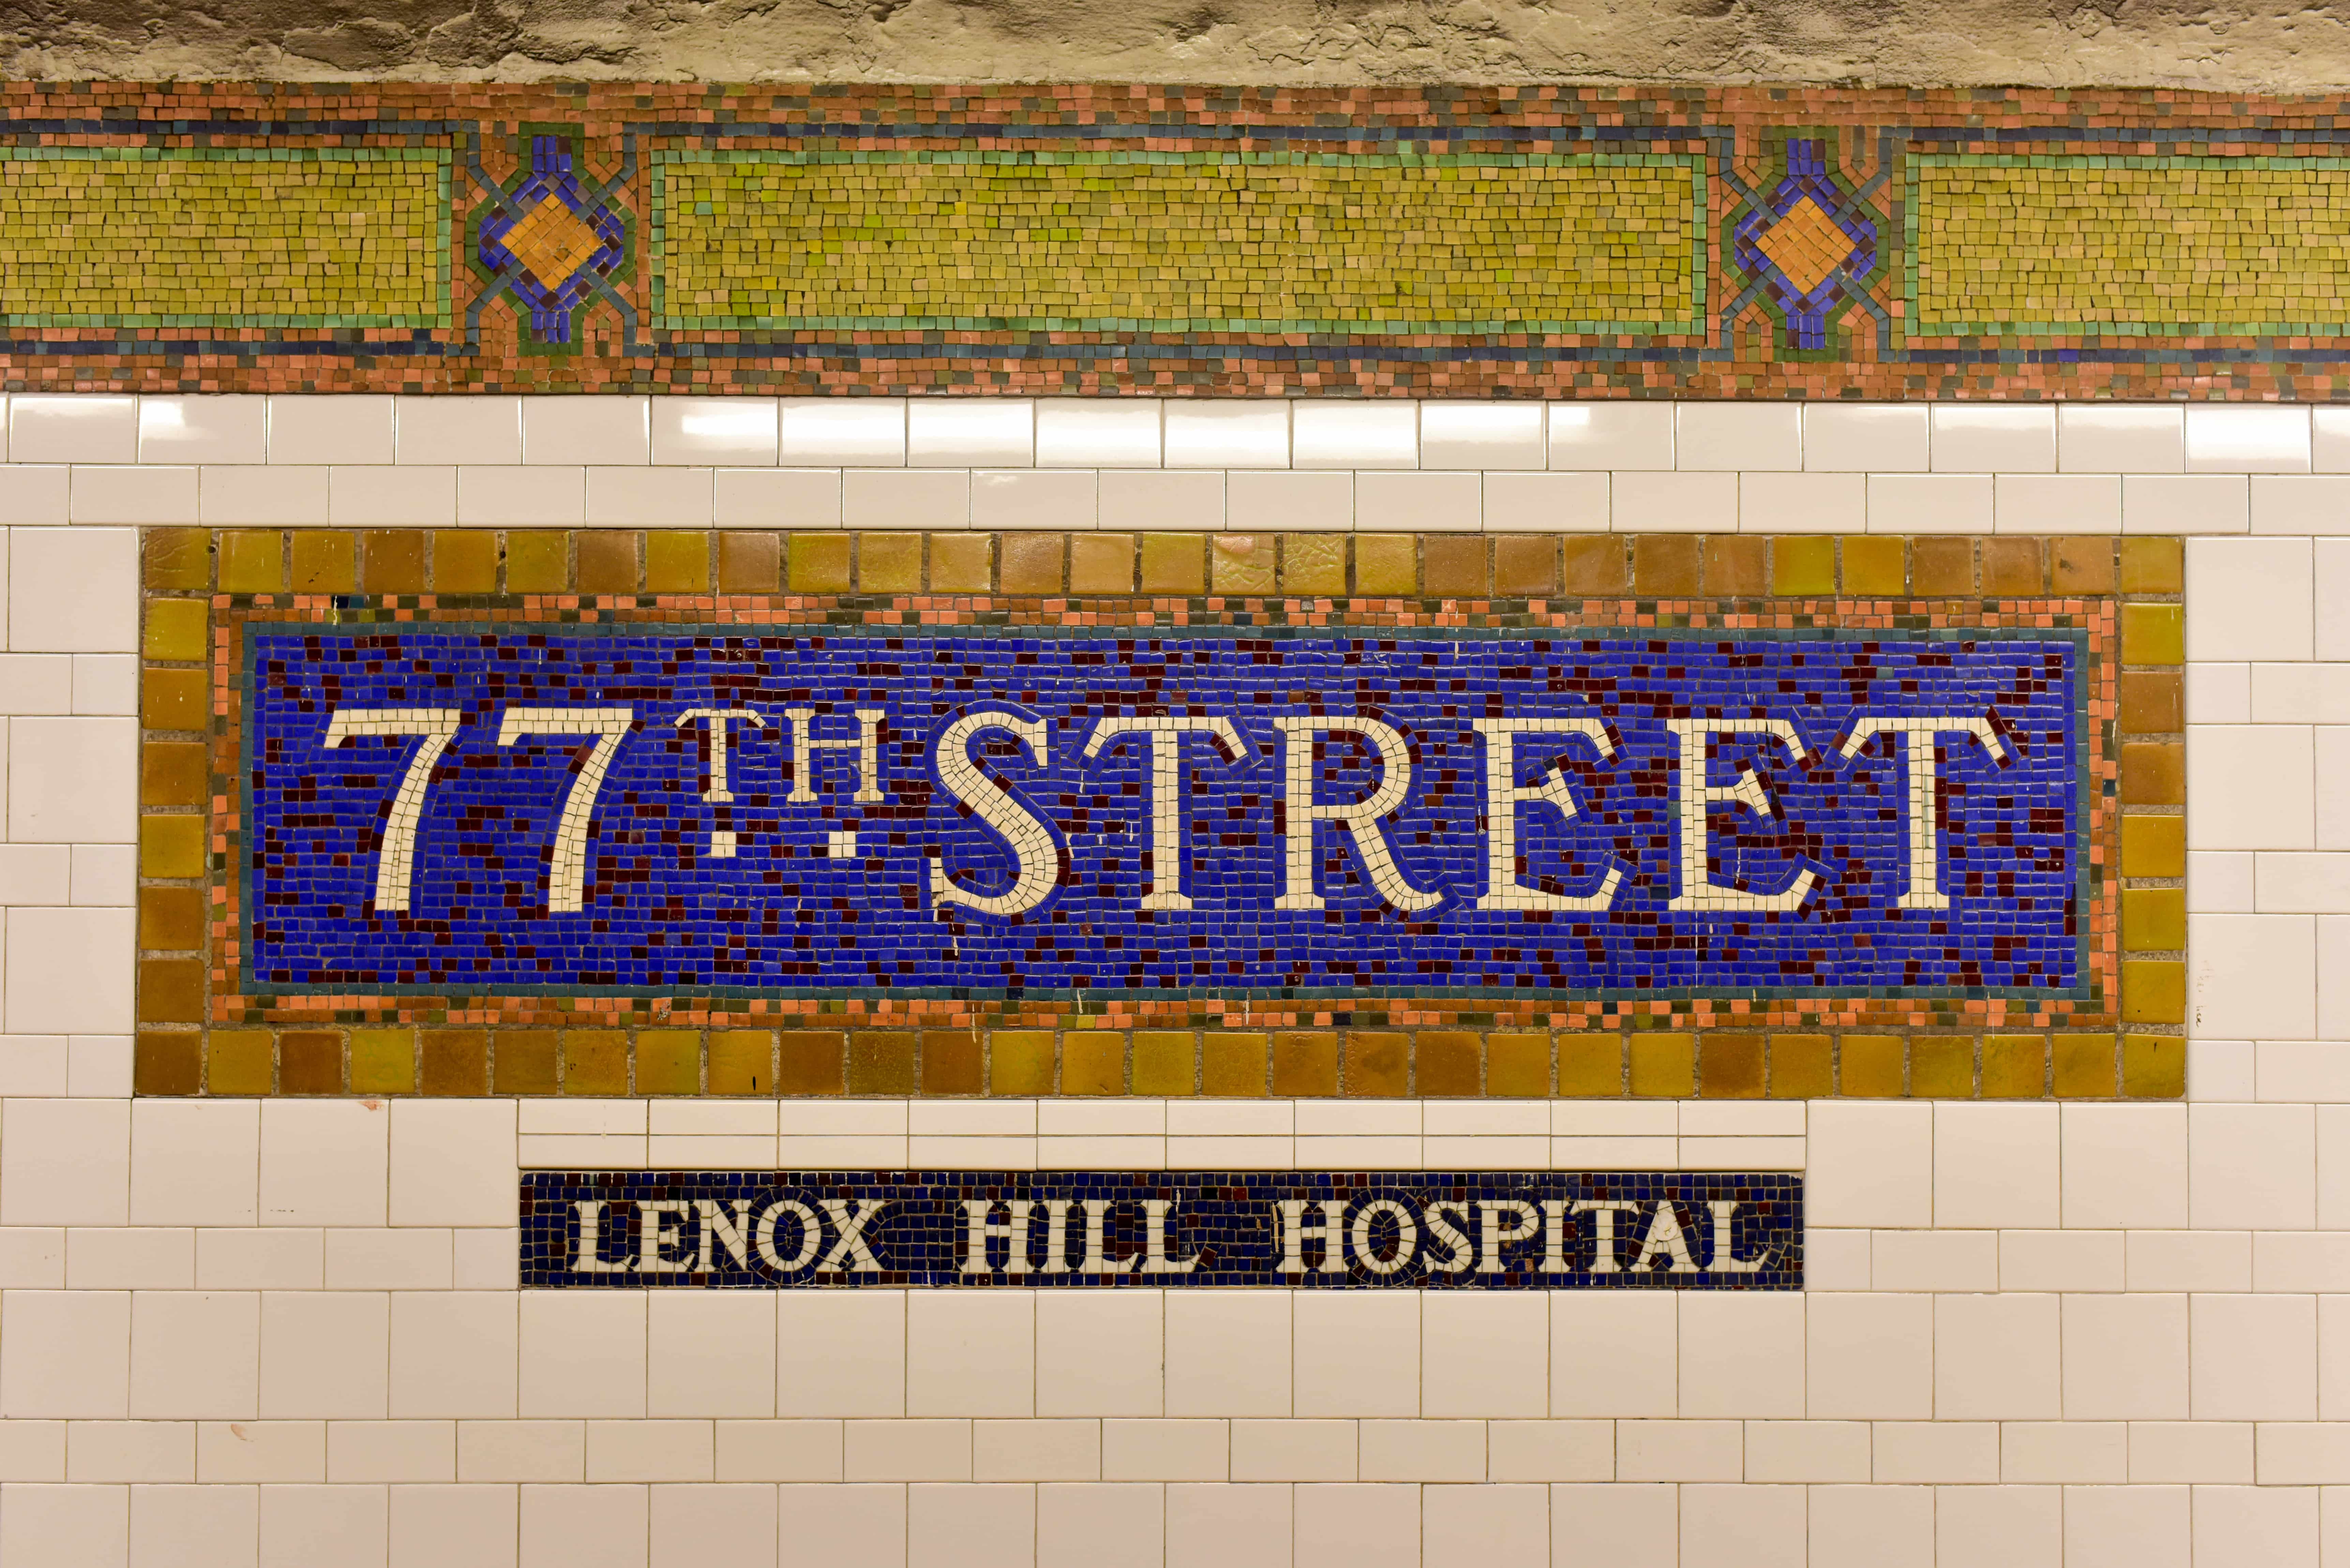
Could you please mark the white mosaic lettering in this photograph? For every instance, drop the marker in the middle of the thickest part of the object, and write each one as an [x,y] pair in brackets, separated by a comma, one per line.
[1056,1235]
[1724,1259]
[1917,752]
[867,745]
[1097,1258]
[717,745]
[1036,862]
[395,861]
[1504,794]
[1495,1233]
[1453,1238]
[850,1221]
[1603,1212]
[719,1228]
[1360,819]
[1698,890]
[1155,1260]
[590,1259]
[1665,1240]
[1169,797]
[1407,1235]
[763,1235]
[661,1221]
[981,1214]
[1296,1231]
[568,876]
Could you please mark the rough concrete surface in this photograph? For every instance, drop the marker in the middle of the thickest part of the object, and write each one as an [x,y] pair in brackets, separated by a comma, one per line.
[2269,45]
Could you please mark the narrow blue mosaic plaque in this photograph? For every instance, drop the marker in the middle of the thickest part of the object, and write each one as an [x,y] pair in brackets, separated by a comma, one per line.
[1183,1229]
[643,810]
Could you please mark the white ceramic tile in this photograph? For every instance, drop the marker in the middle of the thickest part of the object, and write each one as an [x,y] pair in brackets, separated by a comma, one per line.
[1857,438]
[1065,501]
[454,1354]
[2250,786]
[72,429]
[206,429]
[1995,1165]
[2189,1260]
[325,1354]
[518,497]
[70,779]
[912,498]
[2251,1160]
[452,1163]
[2120,438]
[1101,1353]
[583,1354]
[1235,432]
[1734,436]
[135,494]
[845,432]
[714,432]
[648,497]
[68,969]
[138,1259]
[194,1162]
[2186,504]
[1983,438]
[1803,502]
[344,427]
[1870,1164]
[1678,1450]
[577,431]
[380,497]
[2252,976]
[30,494]
[1672,503]
[1227,1353]
[2061,1259]
[1349,433]
[970,433]
[1406,502]
[1762,1525]
[2300,503]
[971,1353]
[1097,432]
[1611,435]
[195,1354]
[2253,1358]
[2247,438]
[2124,1166]
[1269,500]
[776,498]
[2124,1357]
[1996,1359]
[2057,504]
[1934,1260]
[1473,435]
[1356,1354]
[1742,1357]
[444,431]
[1546,502]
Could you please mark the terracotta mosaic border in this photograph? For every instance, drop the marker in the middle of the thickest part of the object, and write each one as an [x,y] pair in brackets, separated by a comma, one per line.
[197,1036]
[1802,243]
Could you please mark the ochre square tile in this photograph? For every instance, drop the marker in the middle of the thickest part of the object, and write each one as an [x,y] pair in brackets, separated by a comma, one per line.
[173,772]
[309,1062]
[889,563]
[1452,566]
[1174,564]
[2014,1066]
[952,1061]
[394,561]
[1033,563]
[819,563]
[1942,1067]
[171,920]
[1736,565]
[1020,1061]
[1802,1067]
[677,563]
[253,561]
[324,561]
[525,1061]
[457,1062]
[176,558]
[1594,564]
[1664,1065]
[2153,565]
[1875,565]
[2154,845]
[2085,1067]
[962,563]
[537,562]
[2154,990]
[1233,1063]
[1517,1065]
[1093,1061]
[2154,919]
[176,699]
[607,562]
[1314,563]
[809,1062]
[2153,772]
[1386,565]
[880,1062]
[1444,1063]
[1526,566]
[1871,1066]
[1802,563]
[1165,1063]
[2012,566]
[1591,1067]
[595,1062]
[1101,564]
[171,847]
[167,1063]
[1730,1067]
[2153,702]
[382,1061]
[1241,564]
[238,1062]
[464,561]
[1940,566]
[2154,634]
[2153,1066]
[1666,565]
[177,630]
[742,1061]
[750,563]
[170,990]
[669,1062]
[2082,565]
[1377,1063]
[1305,1064]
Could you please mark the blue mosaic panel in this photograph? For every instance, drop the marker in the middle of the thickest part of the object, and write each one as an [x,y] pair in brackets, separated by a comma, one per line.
[1382,1229]
[552,809]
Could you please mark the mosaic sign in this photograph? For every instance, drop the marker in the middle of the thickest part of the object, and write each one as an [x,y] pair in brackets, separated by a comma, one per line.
[577,810]
[1383,1230]
[1520,241]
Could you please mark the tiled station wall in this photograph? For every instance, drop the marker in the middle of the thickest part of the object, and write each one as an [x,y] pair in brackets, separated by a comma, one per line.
[239,1334]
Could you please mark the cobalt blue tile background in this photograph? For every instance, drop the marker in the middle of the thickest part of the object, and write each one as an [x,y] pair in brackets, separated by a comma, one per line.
[1225,1220]
[662,917]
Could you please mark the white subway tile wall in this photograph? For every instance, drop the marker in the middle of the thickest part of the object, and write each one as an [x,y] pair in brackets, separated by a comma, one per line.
[249,1335]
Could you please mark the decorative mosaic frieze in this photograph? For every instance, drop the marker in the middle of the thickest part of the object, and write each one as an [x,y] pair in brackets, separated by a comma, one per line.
[961,813]
[1160,1230]
[1509,242]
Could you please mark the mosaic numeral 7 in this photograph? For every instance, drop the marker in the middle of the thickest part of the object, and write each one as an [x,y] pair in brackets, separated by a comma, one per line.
[438,726]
